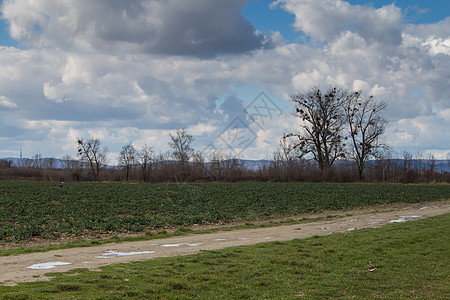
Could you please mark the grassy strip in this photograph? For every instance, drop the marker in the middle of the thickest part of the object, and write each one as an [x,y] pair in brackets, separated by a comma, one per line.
[161,234]
[30,210]
[397,261]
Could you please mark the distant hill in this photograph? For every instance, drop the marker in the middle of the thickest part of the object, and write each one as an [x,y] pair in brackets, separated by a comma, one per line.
[57,163]
[440,166]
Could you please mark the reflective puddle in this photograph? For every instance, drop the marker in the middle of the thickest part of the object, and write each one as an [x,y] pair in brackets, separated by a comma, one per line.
[403,219]
[110,253]
[358,228]
[48,265]
[182,244]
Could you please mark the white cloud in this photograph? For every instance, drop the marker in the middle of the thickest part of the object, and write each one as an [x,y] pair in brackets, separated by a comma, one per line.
[421,133]
[437,45]
[112,80]
[324,20]
[7,103]
[201,28]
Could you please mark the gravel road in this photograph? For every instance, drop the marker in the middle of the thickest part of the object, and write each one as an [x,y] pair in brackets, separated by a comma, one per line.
[32,267]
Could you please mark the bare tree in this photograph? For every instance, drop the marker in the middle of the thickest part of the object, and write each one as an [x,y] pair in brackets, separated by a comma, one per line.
[181,148]
[431,162]
[90,151]
[73,167]
[25,163]
[322,124]
[49,163]
[199,170]
[4,163]
[407,161]
[145,159]
[127,159]
[286,155]
[70,163]
[366,127]
[216,167]
[37,161]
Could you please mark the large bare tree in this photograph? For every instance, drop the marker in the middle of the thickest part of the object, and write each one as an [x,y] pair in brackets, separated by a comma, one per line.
[127,159]
[322,124]
[90,151]
[366,126]
[146,159]
[182,151]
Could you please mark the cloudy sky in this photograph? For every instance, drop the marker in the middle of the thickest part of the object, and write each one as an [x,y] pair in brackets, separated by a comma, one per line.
[133,71]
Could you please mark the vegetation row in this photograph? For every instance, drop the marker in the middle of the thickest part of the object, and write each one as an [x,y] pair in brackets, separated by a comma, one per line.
[30,210]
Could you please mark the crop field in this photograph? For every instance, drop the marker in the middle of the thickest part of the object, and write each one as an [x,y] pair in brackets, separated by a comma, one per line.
[44,210]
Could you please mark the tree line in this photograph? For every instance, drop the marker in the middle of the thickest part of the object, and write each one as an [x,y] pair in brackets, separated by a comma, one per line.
[339,138]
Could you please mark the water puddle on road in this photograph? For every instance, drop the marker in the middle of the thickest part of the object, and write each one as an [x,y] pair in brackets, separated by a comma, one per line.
[48,265]
[182,244]
[426,207]
[403,219]
[358,228]
[112,253]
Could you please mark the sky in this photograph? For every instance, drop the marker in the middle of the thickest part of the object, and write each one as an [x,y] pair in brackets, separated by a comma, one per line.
[135,71]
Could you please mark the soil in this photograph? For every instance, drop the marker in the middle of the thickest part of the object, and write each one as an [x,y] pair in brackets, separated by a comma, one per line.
[34,266]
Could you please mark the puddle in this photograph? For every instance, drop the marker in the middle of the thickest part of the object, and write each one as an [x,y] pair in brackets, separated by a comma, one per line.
[358,228]
[376,220]
[218,240]
[325,228]
[425,207]
[48,265]
[109,253]
[398,221]
[182,244]
[268,238]
[244,239]
[353,220]
[403,219]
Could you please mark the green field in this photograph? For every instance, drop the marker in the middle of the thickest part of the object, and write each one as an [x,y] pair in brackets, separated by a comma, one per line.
[43,210]
[411,262]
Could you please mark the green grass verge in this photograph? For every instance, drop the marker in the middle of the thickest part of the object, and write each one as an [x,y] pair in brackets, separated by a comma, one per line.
[411,259]
[151,235]
[31,210]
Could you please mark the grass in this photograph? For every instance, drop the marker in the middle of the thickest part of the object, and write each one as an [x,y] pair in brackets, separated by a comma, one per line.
[411,262]
[36,210]
[152,235]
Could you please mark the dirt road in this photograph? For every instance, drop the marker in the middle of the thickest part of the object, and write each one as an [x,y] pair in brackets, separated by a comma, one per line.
[32,267]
